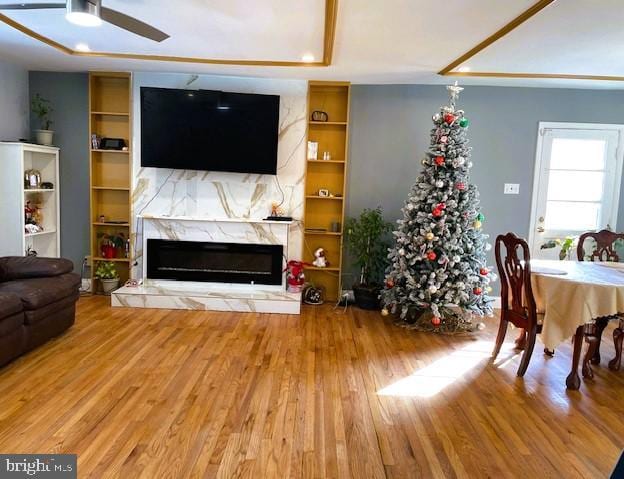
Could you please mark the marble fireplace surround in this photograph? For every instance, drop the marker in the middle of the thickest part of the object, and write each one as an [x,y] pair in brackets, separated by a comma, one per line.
[211,296]
[246,198]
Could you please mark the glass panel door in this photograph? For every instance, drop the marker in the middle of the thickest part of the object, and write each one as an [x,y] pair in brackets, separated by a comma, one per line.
[577,185]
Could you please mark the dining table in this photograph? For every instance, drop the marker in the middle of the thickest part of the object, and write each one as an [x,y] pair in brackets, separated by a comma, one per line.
[576,299]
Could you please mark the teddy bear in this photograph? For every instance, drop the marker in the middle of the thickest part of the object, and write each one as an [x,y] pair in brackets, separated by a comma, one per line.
[320,259]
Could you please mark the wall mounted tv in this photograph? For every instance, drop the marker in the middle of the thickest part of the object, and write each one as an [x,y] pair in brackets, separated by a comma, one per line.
[209,130]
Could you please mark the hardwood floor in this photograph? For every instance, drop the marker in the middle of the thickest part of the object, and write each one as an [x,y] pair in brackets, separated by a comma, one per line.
[156,393]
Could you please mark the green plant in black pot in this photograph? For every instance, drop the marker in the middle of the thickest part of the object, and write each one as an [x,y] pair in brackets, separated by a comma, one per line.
[367,244]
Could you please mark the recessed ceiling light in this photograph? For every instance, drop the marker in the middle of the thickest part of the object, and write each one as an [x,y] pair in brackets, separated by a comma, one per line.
[82,47]
[307,58]
[463,69]
[83,19]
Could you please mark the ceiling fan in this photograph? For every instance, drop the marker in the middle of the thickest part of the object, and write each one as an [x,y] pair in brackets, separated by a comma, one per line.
[90,13]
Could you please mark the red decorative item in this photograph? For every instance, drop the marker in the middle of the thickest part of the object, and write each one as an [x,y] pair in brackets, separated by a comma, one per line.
[389,283]
[484,271]
[449,119]
[441,206]
[295,277]
[439,160]
[436,212]
[436,320]
[108,251]
[477,290]
[461,186]
[431,256]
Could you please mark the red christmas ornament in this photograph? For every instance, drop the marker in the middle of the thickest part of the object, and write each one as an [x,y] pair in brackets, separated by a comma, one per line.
[484,271]
[431,256]
[477,290]
[461,186]
[437,212]
[441,206]
[439,160]
[389,283]
[449,119]
[436,320]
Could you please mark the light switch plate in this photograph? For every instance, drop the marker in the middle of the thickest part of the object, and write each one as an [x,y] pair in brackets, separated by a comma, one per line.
[512,189]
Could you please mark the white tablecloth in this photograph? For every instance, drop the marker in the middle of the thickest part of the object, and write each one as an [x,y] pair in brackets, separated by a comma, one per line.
[585,292]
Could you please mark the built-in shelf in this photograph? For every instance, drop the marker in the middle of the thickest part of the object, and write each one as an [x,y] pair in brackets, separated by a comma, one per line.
[324,211]
[99,223]
[317,197]
[38,190]
[110,184]
[328,233]
[329,268]
[123,152]
[112,188]
[110,113]
[39,233]
[120,260]
[327,161]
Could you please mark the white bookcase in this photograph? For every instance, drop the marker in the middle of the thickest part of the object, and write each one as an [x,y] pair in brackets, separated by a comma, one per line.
[15,159]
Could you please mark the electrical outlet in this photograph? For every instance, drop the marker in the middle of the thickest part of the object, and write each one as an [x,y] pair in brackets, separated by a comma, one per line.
[512,189]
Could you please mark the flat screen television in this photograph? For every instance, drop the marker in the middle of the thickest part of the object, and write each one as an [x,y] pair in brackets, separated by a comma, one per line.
[209,130]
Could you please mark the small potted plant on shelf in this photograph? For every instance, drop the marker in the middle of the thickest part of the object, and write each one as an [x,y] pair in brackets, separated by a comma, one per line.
[42,109]
[112,244]
[106,272]
[368,246]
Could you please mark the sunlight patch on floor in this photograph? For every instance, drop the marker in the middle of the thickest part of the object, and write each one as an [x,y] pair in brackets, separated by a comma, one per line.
[432,379]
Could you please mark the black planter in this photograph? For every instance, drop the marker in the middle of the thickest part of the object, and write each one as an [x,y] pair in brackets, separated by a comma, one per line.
[367,296]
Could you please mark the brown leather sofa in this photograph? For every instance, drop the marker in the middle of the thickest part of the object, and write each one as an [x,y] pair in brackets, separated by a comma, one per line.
[37,302]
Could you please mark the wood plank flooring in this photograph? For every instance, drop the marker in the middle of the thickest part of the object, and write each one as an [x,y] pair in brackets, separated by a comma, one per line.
[181,394]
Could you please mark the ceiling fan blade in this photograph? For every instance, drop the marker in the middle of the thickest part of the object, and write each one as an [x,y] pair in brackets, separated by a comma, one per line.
[132,24]
[30,6]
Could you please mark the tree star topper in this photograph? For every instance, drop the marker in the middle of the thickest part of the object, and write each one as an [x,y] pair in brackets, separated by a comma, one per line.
[454,91]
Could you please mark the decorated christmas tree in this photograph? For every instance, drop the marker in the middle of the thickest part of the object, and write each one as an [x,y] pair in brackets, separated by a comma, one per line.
[438,277]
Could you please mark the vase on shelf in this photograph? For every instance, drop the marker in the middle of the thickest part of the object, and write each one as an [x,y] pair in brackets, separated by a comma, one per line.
[44,137]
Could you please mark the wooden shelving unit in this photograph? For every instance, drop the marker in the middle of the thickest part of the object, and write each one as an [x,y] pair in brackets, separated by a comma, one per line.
[320,212]
[110,107]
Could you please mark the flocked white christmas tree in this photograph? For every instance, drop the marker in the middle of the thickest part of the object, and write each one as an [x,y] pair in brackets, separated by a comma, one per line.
[438,261]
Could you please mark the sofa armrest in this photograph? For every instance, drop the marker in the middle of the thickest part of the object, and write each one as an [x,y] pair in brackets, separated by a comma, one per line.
[24,267]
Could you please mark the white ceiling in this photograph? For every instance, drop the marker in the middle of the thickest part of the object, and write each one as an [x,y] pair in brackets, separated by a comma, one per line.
[377,41]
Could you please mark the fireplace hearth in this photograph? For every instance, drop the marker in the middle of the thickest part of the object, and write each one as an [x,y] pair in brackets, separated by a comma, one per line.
[214,262]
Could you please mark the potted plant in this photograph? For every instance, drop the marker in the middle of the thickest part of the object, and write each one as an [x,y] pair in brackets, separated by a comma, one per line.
[42,109]
[112,245]
[106,272]
[367,244]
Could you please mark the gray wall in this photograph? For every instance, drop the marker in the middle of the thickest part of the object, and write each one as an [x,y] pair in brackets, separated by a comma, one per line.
[13,102]
[389,135]
[69,94]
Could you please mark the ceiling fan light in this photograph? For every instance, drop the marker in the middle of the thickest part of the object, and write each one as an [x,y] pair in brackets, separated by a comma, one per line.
[84,13]
[83,19]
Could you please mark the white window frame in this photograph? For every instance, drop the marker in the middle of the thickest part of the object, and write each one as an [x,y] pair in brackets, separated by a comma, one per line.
[619,158]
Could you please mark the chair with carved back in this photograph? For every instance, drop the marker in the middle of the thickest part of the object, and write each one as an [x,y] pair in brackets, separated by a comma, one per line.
[604,250]
[517,301]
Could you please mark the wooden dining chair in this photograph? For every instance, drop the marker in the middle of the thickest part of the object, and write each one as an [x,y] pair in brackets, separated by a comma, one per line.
[518,304]
[604,250]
